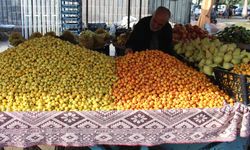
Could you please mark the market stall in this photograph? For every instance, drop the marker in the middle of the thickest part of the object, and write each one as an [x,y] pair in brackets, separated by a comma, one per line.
[90,121]
[53,92]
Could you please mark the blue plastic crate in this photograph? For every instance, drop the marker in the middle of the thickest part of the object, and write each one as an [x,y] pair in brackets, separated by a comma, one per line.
[71,13]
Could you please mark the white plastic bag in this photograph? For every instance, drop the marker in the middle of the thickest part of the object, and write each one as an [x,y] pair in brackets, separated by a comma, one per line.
[211,28]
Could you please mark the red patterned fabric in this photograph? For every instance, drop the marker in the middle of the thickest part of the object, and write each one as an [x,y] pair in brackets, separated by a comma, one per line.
[142,127]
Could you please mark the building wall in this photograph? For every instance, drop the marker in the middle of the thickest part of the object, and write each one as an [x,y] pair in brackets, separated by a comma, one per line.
[40,16]
[112,11]
[180,9]
[44,15]
[10,12]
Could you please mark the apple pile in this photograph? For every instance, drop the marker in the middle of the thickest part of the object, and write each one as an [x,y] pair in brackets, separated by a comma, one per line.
[188,32]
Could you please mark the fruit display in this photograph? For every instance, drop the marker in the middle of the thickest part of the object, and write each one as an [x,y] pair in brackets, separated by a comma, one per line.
[38,34]
[209,53]
[51,33]
[101,38]
[155,80]
[48,74]
[121,39]
[35,35]
[188,32]
[68,36]
[94,40]
[235,34]
[16,38]
[86,39]
[241,69]
[45,74]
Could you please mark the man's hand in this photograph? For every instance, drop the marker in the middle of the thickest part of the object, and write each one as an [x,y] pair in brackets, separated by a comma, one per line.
[128,50]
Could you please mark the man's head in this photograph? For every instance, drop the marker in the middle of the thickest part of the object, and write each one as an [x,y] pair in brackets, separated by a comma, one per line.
[160,18]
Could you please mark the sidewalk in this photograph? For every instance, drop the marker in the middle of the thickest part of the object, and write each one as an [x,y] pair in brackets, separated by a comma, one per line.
[4,45]
[235,20]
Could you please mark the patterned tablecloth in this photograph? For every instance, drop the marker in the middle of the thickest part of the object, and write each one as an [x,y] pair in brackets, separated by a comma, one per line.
[140,127]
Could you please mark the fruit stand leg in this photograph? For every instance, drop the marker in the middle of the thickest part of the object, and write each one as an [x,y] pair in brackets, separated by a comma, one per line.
[124,148]
[144,148]
[238,144]
[97,148]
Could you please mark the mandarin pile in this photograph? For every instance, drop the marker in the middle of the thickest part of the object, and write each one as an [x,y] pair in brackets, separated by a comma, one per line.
[242,69]
[46,73]
[155,80]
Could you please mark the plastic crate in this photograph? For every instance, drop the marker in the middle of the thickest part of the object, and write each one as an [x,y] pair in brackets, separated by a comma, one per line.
[244,46]
[71,15]
[235,85]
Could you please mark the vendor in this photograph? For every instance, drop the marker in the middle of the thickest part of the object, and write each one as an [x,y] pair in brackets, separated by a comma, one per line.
[152,32]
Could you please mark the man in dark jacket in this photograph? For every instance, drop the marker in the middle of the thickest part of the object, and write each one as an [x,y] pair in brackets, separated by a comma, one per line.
[153,32]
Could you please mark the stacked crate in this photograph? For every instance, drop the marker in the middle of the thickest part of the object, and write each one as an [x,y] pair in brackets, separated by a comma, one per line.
[71,13]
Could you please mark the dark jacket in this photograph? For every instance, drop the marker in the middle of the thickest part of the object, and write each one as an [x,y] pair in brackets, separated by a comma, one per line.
[141,36]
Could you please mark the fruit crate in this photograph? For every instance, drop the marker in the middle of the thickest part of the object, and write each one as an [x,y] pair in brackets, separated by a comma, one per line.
[244,46]
[235,85]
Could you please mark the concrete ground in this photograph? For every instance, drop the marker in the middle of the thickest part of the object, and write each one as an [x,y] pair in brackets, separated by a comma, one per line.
[224,22]
[4,45]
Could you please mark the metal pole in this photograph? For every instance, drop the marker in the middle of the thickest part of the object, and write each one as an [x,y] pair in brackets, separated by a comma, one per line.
[189,14]
[87,13]
[104,12]
[22,17]
[95,9]
[128,13]
[2,12]
[16,13]
[11,14]
[32,15]
[7,16]
[140,9]
[244,91]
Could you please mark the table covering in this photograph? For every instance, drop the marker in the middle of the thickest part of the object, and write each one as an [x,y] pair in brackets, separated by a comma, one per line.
[140,127]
